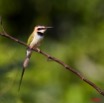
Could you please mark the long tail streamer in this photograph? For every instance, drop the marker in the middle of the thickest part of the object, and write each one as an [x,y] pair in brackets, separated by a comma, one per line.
[25,64]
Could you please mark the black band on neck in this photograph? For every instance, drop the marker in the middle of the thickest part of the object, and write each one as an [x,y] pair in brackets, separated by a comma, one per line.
[41,34]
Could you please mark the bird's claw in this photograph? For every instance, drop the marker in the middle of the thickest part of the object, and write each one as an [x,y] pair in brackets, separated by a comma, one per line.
[38,50]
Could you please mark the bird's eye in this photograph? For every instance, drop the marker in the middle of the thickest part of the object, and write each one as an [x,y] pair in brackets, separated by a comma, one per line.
[39,28]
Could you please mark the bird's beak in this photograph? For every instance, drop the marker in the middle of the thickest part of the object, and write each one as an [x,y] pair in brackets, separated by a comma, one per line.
[48,27]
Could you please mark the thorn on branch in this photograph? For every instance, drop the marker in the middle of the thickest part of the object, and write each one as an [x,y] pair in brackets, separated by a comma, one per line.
[66,66]
[49,58]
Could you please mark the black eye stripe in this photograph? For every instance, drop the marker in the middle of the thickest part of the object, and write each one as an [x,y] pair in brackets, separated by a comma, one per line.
[41,28]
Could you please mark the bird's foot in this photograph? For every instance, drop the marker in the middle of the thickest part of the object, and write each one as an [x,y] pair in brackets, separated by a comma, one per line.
[30,47]
[38,50]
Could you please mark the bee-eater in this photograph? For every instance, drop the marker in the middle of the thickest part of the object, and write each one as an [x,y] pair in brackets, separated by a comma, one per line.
[33,42]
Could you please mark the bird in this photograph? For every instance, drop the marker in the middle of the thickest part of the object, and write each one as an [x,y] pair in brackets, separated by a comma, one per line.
[33,42]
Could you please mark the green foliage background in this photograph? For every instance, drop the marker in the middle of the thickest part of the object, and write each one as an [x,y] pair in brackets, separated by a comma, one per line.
[77,39]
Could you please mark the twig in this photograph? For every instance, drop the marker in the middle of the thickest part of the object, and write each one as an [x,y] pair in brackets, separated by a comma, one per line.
[55,60]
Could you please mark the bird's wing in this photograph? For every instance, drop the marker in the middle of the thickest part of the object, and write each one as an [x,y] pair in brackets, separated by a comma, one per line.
[30,39]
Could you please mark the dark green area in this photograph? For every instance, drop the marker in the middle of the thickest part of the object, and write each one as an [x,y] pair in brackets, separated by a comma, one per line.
[77,39]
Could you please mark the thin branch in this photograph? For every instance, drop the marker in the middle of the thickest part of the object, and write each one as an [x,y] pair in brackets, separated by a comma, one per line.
[55,60]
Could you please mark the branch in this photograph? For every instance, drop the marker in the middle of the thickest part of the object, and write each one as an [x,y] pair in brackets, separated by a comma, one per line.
[55,60]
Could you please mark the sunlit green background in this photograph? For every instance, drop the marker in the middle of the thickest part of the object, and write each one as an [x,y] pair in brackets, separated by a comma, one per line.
[77,39]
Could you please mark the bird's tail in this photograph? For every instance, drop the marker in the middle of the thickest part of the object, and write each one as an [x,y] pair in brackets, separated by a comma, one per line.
[25,64]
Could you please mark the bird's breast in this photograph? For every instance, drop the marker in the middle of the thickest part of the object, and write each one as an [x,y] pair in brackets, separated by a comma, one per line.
[36,40]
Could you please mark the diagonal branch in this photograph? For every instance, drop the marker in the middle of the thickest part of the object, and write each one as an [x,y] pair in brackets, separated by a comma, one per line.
[55,60]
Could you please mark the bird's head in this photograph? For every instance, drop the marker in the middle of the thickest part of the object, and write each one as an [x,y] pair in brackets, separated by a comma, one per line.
[41,29]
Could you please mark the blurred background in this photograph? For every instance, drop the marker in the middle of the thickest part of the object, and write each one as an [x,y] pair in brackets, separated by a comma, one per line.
[77,39]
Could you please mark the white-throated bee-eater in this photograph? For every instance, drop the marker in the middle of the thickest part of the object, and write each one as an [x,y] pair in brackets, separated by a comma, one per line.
[33,42]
